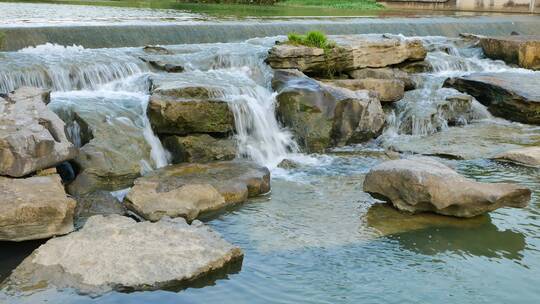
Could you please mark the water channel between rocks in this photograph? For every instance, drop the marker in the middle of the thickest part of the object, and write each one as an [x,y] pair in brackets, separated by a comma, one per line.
[317,237]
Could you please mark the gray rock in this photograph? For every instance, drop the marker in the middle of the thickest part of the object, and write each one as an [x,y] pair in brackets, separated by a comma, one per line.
[34,208]
[116,253]
[324,116]
[163,63]
[188,190]
[31,136]
[425,185]
[513,96]
[97,203]
[200,148]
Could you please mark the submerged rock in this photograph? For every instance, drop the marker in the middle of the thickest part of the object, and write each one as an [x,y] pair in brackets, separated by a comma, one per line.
[187,190]
[116,253]
[387,220]
[529,156]
[34,208]
[352,52]
[420,185]
[31,136]
[324,116]
[388,90]
[200,148]
[181,108]
[384,73]
[514,96]
[522,50]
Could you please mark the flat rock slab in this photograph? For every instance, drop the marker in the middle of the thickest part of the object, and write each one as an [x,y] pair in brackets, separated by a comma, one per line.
[513,96]
[188,190]
[388,90]
[117,253]
[425,185]
[522,50]
[482,139]
[32,137]
[34,208]
[529,156]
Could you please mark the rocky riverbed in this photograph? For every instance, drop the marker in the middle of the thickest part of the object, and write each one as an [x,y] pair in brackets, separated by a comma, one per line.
[113,156]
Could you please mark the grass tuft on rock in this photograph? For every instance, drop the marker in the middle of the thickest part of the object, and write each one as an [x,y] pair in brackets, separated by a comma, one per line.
[312,39]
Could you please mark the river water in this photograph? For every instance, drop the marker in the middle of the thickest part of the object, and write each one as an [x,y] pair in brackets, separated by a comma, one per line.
[316,238]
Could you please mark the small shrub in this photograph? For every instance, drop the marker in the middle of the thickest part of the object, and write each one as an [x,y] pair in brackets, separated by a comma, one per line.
[316,39]
[295,38]
[312,39]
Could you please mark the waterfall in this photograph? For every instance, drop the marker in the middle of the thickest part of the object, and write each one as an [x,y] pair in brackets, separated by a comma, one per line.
[65,68]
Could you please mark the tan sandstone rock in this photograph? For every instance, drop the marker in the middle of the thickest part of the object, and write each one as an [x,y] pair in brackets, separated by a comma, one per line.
[188,190]
[425,185]
[116,253]
[180,108]
[352,52]
[522,50]
[388,90]
[529,156]
[34,208]
[31,136]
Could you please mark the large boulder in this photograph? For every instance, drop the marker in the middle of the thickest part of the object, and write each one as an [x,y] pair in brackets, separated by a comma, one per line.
[110,127]
[352,52]
[34,208]
[324,116]
[522,50]
[188,190]
[181,108]
[425,185]
[117,253]
[31,136]
[388,90]
[514,96]
[200,148]
[529,156]
[384,73]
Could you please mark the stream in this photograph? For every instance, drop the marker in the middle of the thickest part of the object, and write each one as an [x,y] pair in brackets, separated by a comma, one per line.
[317,237]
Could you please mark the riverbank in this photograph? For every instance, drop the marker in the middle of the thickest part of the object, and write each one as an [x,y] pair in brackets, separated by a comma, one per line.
[190,28]
[296,8]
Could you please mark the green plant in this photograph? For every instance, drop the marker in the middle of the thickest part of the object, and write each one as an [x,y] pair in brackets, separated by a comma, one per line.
[312,39]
